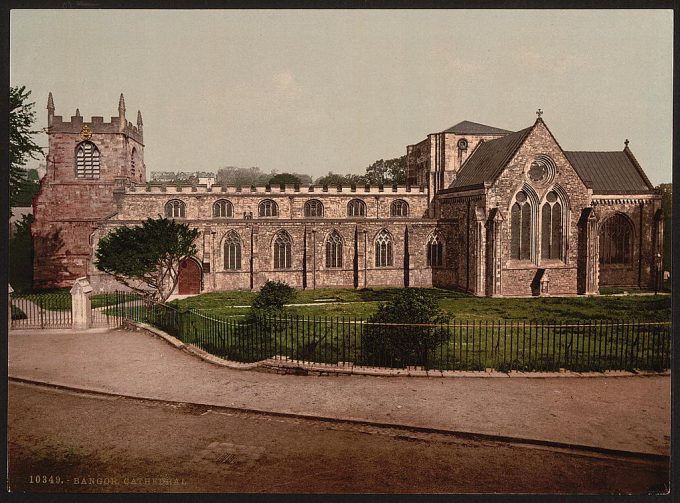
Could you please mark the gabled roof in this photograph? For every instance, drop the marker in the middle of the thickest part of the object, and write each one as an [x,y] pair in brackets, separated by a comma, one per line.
[489,158]
[610,172]
[467,127]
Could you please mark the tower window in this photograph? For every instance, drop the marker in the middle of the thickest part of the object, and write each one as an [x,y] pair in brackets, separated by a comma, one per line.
[268,208]
[334,250]
[356,208]
[223,209]
[313,208]
[87,160]
[383,249]
[175,209]
[282,250]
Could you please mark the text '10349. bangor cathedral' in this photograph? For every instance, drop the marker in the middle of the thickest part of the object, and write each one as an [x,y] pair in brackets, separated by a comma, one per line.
[485,210]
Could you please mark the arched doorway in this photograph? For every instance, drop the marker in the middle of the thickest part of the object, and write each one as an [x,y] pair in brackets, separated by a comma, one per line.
[189,281]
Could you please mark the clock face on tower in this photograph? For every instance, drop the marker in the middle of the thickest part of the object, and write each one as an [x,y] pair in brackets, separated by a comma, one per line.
[462,144]
[85,133]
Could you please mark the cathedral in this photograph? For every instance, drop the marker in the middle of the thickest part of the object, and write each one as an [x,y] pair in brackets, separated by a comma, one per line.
[484,210]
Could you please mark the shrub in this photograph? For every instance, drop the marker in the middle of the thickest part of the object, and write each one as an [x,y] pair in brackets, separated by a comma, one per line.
[406,343]
[273,295]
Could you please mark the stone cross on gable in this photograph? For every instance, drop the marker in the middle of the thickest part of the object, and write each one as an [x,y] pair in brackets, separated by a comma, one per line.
[539,112]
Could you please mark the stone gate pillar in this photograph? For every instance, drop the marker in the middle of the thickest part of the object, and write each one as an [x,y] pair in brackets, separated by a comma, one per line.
[81,306]
[9,305]
[588,254]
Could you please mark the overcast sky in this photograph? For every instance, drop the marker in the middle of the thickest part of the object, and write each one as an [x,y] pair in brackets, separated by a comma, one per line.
[319,91]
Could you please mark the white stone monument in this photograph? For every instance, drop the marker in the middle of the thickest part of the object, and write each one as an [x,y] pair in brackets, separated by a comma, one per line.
[81,306]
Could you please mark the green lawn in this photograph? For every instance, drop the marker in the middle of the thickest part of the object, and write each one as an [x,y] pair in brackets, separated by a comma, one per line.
[461,306]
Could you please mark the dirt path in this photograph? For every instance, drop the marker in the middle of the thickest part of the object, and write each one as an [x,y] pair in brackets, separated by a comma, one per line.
[625,413]
[66,442]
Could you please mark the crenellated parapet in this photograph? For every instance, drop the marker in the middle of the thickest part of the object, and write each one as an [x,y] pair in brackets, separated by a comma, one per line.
[175,188]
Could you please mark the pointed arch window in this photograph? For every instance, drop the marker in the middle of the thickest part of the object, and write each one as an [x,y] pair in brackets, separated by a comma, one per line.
[282,250]
[356,208]
[383,249]
[334,250]
[552,227]
[223,209]
[175,209]
[232,252]
[133,164]
[87,160]
[435,251]
[399,208]
[268,208]
[520,227]
[616,240]
[313,208]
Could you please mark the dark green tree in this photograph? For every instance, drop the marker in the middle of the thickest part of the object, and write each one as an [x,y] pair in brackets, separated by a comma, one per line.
[146,257]
[403,331]
[22,147]
[21,256]
[284,179]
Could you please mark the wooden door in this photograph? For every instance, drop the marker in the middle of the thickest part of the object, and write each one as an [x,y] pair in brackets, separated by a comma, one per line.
[189,281]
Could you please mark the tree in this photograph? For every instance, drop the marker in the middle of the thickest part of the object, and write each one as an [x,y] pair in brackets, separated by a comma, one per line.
[284,179]
[21,256]
[146,257]
[415,313]
[27,189]
[387,172]
[21,144]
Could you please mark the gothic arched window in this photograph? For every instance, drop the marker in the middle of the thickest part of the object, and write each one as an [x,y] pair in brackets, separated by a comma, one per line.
[223,208]
[87,160]
[356,208]
[334,250]
[551,227]
[232,251]
[435,251]
[282,250]
[616,240]
[268,208]
[313,208]
[383,249]
[399,208]
[133,164]
[520,227]
[175,209]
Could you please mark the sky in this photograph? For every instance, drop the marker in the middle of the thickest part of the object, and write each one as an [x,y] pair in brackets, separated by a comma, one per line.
[315,91]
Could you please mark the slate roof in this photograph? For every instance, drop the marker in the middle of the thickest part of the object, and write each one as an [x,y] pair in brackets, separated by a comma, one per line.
[610,172]
[488,159]
[467,127]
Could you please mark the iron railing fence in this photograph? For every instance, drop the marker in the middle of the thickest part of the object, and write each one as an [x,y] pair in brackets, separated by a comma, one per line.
[43,310]
[592,345]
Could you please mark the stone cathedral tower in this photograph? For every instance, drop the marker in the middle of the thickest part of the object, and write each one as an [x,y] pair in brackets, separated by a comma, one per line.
[87,162]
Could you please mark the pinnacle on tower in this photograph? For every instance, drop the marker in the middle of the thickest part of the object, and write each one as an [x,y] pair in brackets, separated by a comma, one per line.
[50,102]
[139,118]
[121,106]
[77,112]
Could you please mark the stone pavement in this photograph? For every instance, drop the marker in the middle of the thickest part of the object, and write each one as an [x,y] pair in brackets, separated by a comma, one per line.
[621,413]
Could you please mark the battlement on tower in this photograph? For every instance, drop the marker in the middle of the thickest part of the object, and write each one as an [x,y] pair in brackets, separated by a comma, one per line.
[96,125]
[176,188]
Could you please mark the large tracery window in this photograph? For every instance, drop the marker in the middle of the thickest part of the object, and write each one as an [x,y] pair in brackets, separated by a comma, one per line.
[232,251]
[223,209]
[435,251]
[175,209]
[399,208]
[616,241]
[313,208]
[356,208]
[520,224]
[334,250]
[551,227]
[383,249]
[87,160]
[282,250]
[268,208]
